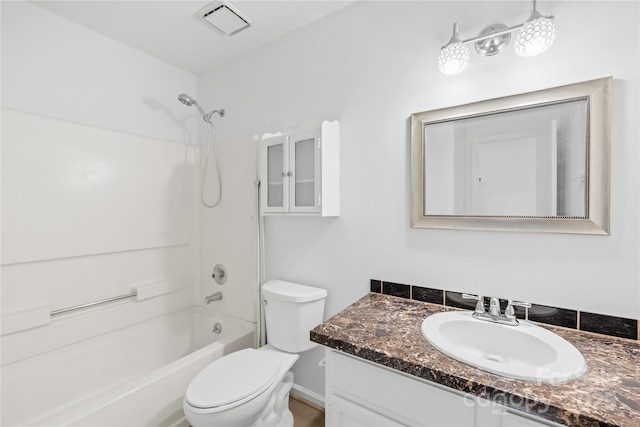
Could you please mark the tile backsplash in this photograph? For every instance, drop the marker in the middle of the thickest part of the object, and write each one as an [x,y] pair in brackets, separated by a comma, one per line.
[584,321]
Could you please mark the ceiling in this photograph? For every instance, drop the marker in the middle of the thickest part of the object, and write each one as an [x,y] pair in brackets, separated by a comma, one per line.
[174,32]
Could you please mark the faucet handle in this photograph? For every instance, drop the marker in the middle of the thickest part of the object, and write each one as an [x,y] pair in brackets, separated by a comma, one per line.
[494,307]
[510,312]
[479,305]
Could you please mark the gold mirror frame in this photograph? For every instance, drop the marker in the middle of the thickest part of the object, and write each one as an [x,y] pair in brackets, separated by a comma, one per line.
[599,97]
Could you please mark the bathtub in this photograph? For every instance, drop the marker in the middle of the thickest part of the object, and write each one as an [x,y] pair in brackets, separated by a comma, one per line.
[134,376]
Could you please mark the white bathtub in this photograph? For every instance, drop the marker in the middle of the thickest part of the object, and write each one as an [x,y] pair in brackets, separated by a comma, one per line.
[133,376]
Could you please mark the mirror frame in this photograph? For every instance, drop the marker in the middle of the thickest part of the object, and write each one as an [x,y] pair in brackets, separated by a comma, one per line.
[598,94]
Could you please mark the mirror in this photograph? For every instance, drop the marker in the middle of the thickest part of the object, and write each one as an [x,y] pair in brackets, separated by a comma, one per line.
[537,161]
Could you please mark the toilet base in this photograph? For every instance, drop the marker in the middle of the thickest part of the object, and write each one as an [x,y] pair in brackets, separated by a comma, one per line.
[277,412]
[287,419]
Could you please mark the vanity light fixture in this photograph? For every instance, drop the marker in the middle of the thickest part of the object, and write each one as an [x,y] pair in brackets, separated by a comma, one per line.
[534,36]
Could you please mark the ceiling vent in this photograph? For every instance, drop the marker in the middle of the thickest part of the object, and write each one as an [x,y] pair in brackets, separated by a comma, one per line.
[225,17]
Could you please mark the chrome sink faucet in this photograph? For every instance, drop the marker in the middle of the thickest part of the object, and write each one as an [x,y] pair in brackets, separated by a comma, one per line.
[494,315]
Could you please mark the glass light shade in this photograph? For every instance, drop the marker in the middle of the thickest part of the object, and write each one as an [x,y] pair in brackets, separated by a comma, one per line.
[535,36]
[453,58]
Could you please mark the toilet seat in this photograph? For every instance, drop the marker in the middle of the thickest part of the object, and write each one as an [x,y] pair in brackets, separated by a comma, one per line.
[233,379]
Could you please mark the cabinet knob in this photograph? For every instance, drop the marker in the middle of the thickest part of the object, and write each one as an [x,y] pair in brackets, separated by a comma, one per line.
[289,174]
[283,173]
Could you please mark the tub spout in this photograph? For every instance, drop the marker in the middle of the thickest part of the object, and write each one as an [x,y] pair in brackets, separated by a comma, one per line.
[213,297]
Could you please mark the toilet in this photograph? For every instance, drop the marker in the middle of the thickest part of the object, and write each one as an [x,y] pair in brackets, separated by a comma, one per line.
[251,387]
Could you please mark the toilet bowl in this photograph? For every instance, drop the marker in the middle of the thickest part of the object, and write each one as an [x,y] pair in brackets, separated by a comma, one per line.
[251,387]
[241,387]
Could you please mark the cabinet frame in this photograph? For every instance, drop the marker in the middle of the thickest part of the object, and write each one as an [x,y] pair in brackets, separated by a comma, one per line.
[326,172]
[364,394]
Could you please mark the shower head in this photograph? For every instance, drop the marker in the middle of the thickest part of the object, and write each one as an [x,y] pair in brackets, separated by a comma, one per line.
[187,100]
[190,102]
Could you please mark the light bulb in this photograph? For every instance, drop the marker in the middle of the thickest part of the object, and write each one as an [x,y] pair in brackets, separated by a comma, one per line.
[453,58]
[535,36]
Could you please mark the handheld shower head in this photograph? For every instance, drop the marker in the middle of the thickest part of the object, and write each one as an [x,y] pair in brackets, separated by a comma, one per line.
[190,102]
[186,100]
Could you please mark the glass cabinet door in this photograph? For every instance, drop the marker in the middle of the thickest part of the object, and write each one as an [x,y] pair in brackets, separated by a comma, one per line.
[275,191]
[305,169]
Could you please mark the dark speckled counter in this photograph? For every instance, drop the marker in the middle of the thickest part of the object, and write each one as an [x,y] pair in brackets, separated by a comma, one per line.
[386,330]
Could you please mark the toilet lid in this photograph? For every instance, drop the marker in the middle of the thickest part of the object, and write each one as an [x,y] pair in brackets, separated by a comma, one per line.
[232,378]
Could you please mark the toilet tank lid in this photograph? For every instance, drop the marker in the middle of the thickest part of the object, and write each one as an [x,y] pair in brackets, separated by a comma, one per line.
[292,292]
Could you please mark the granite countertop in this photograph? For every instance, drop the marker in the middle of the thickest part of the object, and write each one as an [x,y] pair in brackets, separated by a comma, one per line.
[386,330]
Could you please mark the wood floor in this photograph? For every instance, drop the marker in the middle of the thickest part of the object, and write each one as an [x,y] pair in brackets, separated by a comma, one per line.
[305,413]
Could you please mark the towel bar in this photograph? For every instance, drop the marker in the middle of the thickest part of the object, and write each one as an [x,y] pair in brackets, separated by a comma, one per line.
[91,304]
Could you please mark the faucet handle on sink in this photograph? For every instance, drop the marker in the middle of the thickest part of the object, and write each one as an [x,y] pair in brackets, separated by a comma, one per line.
[510,312]
[479,304]
[494,307]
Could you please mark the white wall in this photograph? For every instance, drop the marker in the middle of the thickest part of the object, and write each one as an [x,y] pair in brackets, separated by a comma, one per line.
[98,180]
[371,66]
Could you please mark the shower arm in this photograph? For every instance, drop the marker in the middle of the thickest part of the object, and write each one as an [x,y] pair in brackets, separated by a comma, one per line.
[207,117]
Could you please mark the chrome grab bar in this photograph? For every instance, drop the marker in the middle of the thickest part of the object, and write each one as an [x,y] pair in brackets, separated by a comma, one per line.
[91,304]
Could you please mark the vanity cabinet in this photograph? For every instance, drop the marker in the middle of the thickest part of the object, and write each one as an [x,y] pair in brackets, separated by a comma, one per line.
[360,393]
[299,172]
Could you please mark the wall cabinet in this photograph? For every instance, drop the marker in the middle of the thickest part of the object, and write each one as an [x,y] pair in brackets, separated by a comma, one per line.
[299,172]
[360,393]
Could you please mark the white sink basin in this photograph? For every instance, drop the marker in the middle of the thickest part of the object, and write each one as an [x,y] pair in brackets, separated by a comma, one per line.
[524,352]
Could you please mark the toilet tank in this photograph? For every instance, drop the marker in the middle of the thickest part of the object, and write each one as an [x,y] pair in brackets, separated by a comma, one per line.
[291,311]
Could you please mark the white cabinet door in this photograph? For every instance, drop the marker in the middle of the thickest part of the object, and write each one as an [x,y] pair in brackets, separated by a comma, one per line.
[274,192]
[304,182]
[341,412]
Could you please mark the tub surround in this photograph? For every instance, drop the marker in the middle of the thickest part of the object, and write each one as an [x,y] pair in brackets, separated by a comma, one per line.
[385,329]
[144,370]
[556,316]
[102,215]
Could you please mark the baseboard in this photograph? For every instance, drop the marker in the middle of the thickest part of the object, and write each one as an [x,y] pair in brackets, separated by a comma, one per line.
[306,394]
